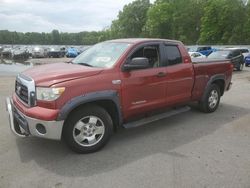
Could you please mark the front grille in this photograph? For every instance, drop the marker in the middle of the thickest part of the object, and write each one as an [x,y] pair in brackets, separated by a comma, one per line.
[22,92]
[25,90]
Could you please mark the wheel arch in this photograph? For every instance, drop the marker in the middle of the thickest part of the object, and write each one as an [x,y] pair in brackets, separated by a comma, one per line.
[109,100]
[221,84]
[218,79]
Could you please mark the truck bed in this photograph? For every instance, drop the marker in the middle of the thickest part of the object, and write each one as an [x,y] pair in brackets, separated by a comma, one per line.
[204,69]
[206,60]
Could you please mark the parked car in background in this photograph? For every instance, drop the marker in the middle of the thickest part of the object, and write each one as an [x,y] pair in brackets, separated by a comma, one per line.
[244,51]
[20,53]
[246,55]
[196,55]
[205,50]
[56,52]
[39,52]
[7,53]
[235,56]
[247,60]
[72,52]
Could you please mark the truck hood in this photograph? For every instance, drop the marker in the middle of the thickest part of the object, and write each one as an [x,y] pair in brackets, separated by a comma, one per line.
[50,74]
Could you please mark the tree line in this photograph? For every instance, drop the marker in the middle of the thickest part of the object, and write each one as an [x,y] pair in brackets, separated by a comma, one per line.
[191,21]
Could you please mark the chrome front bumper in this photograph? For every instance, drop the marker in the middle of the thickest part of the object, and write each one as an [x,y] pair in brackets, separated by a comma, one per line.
[22,125]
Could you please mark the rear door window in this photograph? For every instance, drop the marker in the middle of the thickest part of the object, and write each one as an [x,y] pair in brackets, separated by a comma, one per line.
[173,55]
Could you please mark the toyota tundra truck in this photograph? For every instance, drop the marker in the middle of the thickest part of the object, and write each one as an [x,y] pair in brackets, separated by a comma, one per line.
[112,84]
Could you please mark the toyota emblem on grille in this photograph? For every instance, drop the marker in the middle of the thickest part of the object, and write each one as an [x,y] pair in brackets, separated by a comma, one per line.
[18,90]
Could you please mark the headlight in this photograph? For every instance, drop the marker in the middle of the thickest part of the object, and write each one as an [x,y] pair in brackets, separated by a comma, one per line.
[49,94]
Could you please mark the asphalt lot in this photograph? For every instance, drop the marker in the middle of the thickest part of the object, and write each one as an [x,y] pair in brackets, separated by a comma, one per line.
[191,149]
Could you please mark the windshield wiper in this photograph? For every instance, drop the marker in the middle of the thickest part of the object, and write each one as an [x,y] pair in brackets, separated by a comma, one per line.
[85,64]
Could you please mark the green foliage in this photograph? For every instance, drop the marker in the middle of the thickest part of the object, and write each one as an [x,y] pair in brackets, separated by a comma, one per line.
[130,20]
[222,22]
[159,20]
[178,19]
[246,27]
[191,21]
[55,37]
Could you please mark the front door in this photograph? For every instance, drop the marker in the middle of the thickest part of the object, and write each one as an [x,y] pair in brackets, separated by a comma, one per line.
[145,89]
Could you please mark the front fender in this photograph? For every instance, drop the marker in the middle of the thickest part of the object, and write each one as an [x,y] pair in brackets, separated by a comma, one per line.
[90,97]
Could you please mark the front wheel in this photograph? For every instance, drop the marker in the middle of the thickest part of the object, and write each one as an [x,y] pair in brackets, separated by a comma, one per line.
[211,99]
[88,129]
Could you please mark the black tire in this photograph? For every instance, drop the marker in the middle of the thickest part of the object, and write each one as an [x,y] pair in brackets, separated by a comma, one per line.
[81,114]
[240,67]
[205,104]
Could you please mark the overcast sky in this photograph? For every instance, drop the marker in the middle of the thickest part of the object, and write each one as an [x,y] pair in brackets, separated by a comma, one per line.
[64,15]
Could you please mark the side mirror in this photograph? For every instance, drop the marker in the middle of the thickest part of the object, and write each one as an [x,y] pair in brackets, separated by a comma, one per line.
[136,63]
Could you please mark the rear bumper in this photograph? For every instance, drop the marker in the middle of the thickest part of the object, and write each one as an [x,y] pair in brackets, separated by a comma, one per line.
[22,125]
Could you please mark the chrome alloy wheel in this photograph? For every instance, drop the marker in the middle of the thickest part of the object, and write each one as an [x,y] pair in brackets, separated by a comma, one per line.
[213,99]
[88,131]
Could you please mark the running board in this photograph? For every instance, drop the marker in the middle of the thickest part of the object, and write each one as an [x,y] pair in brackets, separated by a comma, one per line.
[156,117]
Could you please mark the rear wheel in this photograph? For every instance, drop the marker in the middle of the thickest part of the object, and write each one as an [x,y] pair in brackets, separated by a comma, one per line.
[88,129]
[211,99]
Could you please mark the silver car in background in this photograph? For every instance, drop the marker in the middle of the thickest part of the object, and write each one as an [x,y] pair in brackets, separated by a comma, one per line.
[39,52]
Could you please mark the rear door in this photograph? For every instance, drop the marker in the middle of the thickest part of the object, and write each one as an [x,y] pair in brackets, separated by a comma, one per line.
[180,76]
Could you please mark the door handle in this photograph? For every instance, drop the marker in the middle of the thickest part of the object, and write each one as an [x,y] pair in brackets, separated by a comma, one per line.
[161,74]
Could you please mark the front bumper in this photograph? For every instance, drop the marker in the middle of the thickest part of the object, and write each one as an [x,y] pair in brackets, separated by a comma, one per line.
[22,125]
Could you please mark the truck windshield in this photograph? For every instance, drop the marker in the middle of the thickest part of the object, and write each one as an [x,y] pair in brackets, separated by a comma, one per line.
[101,55]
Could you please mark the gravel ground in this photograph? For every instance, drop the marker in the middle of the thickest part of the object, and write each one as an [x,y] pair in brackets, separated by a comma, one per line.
[192,149]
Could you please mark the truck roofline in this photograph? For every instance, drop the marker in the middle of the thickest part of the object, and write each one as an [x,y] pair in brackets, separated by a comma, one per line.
[142,40]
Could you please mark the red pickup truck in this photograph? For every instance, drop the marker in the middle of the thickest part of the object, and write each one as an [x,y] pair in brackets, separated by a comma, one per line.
[112,84]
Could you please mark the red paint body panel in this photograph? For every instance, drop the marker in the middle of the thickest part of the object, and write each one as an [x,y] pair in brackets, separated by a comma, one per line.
[50,74]
[180,81]
[140,91]
[36,112]
[83,86]
[204,71]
